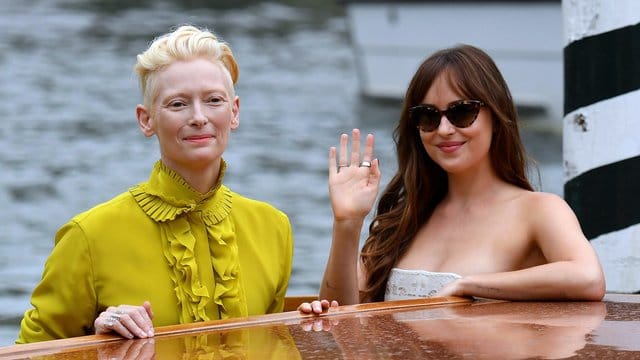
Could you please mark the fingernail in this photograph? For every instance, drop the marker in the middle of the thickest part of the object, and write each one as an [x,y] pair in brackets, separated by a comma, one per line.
[317,326]
[151,333]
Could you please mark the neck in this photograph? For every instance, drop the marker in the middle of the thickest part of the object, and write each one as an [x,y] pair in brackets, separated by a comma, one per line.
[477,184]
[201,178]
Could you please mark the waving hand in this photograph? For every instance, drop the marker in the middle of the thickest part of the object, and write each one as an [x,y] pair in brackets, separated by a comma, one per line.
[354,179]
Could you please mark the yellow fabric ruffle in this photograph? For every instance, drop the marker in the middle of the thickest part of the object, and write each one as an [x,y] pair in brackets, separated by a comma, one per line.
[167,199]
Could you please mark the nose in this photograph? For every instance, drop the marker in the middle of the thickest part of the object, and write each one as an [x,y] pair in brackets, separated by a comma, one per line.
[198,117]
[445,127]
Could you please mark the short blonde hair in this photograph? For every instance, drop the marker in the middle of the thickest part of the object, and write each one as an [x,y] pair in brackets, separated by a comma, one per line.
[185,43]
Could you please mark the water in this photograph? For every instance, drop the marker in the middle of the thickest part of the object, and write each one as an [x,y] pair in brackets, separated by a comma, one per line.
[69,138]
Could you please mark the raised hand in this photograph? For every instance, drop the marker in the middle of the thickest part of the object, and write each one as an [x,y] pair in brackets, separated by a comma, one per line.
[353,178]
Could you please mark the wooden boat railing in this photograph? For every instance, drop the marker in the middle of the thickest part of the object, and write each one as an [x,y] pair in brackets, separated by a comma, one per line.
[291,315]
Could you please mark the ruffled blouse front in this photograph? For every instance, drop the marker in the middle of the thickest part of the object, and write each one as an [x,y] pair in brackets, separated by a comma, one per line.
[168,199]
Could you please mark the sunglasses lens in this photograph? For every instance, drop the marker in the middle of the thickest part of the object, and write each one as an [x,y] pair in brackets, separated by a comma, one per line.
[427,118]
[463,115]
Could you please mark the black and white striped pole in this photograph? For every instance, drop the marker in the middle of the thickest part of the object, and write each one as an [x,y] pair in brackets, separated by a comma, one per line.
[601,131]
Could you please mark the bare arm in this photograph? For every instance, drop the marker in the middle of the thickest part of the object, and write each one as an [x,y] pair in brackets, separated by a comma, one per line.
[353,190]
[340,280]
[552,281]
[572,271]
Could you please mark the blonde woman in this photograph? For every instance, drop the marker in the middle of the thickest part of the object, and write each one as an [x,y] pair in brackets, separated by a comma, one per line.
[181,247]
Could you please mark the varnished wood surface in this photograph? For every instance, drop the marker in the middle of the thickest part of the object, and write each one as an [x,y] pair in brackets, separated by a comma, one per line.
[291,303]
[437,328]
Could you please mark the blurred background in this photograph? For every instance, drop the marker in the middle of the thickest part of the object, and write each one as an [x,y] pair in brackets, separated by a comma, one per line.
[69,138]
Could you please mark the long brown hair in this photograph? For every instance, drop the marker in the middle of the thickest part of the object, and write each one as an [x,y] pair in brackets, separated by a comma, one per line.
[420,184]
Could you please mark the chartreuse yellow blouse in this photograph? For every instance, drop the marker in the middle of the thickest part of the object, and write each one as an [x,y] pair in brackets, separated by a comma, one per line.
[194,256]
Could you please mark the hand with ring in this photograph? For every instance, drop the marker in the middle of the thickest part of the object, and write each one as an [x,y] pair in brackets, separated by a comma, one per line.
[130,321]
[354,178]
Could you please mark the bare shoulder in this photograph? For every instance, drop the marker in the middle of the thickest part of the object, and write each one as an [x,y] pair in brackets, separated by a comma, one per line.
[541,210]
[529,205]
[548,213]
[543,201]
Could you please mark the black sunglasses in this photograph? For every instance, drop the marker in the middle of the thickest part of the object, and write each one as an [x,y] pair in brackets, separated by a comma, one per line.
[461,114]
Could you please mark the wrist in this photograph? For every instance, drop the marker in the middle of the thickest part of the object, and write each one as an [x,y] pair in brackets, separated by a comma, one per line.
[461,286]
[348,222]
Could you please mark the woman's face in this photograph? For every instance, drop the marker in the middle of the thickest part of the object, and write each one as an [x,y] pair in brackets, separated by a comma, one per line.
[456,150]
[192,115]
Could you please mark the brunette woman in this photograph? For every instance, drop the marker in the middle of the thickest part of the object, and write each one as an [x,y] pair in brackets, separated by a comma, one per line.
[459,217]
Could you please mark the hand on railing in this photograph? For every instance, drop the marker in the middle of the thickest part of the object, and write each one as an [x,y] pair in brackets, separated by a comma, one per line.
[317,306]
[129,321]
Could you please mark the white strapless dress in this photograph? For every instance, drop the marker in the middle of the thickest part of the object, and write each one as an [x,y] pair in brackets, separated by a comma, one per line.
[412,284]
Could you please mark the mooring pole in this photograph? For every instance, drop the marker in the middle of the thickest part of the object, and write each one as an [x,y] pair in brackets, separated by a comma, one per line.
[601,131]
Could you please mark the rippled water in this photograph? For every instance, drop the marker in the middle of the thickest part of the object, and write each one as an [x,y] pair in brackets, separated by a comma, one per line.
[69,139]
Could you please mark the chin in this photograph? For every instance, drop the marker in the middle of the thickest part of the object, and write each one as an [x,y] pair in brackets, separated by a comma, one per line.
[202,159]
[455,168]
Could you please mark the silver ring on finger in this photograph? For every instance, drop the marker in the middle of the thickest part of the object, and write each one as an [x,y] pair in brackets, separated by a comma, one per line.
[111,319]
[365,164]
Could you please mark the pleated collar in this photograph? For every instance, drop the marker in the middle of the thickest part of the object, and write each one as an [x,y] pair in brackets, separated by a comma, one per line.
[167,195]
